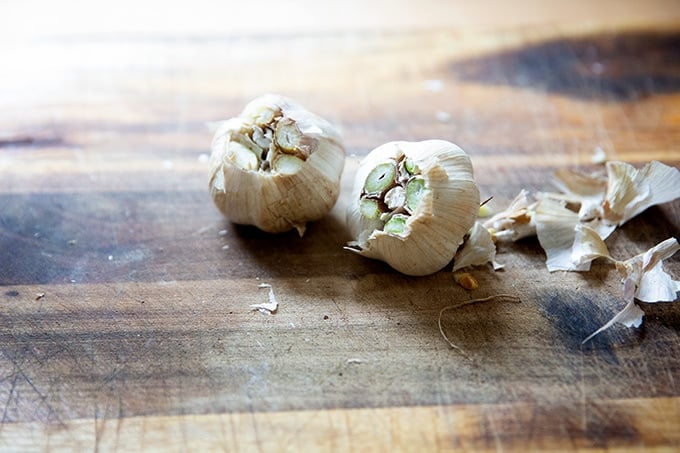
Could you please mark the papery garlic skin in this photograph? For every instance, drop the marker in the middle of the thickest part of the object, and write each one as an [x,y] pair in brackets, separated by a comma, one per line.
[477,250]
[630,190]
[276,166]
[516,221]
[556,231]
[643,275]
[422,236]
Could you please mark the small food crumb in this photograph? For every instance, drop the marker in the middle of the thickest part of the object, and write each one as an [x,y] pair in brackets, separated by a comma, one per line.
[442,116]
[466,280]
[39,296]
[268,307]
[599,156]
[434,85]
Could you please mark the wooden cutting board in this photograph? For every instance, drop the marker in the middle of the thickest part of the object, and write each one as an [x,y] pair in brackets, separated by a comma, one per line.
[125,319]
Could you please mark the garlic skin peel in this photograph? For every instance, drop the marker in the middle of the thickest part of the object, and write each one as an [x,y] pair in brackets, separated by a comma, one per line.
[412,204]
[477,250]
[276,166]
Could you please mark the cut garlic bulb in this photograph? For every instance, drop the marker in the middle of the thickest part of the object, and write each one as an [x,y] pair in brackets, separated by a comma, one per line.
[412,204]
[276,166]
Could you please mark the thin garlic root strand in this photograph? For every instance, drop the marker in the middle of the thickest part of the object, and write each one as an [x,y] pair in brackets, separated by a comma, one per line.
[500,297]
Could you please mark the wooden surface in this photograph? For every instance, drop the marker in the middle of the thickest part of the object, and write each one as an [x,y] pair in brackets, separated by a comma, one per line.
[125,318]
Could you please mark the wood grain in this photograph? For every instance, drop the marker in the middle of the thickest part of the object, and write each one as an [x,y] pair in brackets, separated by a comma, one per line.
[125,319]
[601,425]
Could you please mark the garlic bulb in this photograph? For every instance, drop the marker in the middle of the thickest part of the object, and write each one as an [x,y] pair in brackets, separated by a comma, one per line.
[276,166]
[412,204]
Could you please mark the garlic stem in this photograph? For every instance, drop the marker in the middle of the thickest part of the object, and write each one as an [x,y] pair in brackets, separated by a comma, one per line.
[410,166]
[415,189]
[396,224]
[369,208]
[380,178]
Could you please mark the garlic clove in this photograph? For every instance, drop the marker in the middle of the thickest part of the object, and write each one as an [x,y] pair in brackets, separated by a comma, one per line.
[396,198]
[415,189]
[381,178]
[242,156]
[276,166]
[396,225]
[287,165]
[422,239]
[369,208]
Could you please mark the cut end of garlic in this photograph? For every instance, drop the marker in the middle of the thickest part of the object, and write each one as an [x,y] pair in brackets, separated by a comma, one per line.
[412,204]
[391,193]
[276,166]
[269,142]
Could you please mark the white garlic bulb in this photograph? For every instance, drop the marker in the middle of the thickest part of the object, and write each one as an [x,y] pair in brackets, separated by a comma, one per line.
[276,166]
[412,204]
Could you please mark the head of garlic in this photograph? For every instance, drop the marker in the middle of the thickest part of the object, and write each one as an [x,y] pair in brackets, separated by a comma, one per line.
[276,166]
[412,204]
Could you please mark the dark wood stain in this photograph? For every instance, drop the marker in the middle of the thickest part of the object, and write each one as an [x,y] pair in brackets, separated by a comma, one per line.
[575,317]
[33,141]
[67,238]
[603,67]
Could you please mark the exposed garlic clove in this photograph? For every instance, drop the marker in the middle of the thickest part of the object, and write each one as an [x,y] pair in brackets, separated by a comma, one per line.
[396,198]
[381,178]
[276,166]
[420,234]
[287,165]
[242,156]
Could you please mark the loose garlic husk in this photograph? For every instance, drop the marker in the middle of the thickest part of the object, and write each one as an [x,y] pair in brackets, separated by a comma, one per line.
[412,204]
[276,166]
